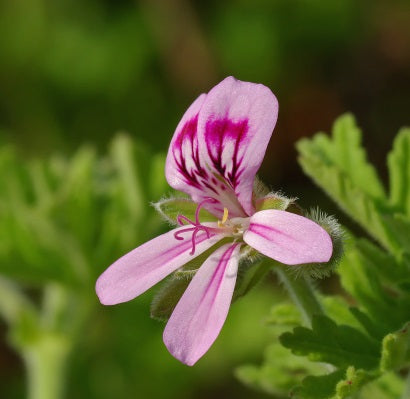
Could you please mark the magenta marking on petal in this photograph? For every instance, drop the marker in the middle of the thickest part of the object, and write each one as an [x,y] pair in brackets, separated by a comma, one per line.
[187,138]
[263,231]
[219,271]
[288,238]
[220,133]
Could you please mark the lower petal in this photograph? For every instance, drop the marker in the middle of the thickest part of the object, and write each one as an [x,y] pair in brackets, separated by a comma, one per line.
[148,264]
[202,310]
[288,238]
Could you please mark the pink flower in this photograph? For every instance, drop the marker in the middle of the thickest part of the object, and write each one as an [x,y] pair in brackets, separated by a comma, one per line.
[214,155]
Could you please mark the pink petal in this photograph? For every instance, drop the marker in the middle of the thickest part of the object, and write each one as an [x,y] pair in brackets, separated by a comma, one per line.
[140,269]
[288,238]
[183,168]
[234,128]
[202,310]
[219,145]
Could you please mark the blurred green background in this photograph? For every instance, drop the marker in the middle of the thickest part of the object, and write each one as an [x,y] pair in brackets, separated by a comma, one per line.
[78,72]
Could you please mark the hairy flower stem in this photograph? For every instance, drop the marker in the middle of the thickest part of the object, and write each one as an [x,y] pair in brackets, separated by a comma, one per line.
[301,291]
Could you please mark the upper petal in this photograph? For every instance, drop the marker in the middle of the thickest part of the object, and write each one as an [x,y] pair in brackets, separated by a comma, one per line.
[288,238]
[184,169]
[201,312]
[234,128]
[220,143]
[148,264]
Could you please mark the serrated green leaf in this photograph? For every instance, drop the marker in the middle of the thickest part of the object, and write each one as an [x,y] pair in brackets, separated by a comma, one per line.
[396,349]
[398,228]
[318,387]
[399,172]
[279,372]
[338,307]
[391,270]
[353,382]
[170,208]
[360,276]
[328,342]
[344,151]
[340,384]
[388,386]
[372,328]
[284,315]
[339,167]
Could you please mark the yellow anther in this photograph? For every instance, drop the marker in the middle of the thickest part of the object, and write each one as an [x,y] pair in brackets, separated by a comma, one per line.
[224,218]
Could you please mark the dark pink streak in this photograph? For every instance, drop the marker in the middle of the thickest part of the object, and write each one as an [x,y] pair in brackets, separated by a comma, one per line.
[187,137]
[181,248]
[219,273]
[264,231]
[218,133]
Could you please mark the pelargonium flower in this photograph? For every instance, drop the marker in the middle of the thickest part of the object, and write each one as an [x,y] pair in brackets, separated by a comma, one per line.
[214,155]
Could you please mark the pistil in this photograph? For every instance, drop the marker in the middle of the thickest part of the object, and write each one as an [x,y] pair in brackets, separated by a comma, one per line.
[197,226]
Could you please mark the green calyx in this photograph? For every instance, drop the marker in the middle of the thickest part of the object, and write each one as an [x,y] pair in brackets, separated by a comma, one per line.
[170,208]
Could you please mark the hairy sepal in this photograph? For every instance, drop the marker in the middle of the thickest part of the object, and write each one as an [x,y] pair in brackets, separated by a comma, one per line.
[170,208]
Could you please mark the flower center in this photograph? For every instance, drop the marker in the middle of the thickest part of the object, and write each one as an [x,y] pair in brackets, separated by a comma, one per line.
[234,227]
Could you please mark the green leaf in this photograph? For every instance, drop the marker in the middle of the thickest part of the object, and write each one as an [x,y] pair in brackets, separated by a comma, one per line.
[372,328]
[344,152]
[328,342]
[396,349]
[353,382]
[318,387]
[170,208]
[284,315]
[388,267]
[279,372]
[387,386]
[338,165]
[338,307]
[60,216]
[398,228]
[399,172]
[123,176]
[131,162]
[361,273]
[75,203]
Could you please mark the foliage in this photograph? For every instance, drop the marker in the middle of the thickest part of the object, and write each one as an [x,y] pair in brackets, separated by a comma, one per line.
[363,347]
[61,221]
